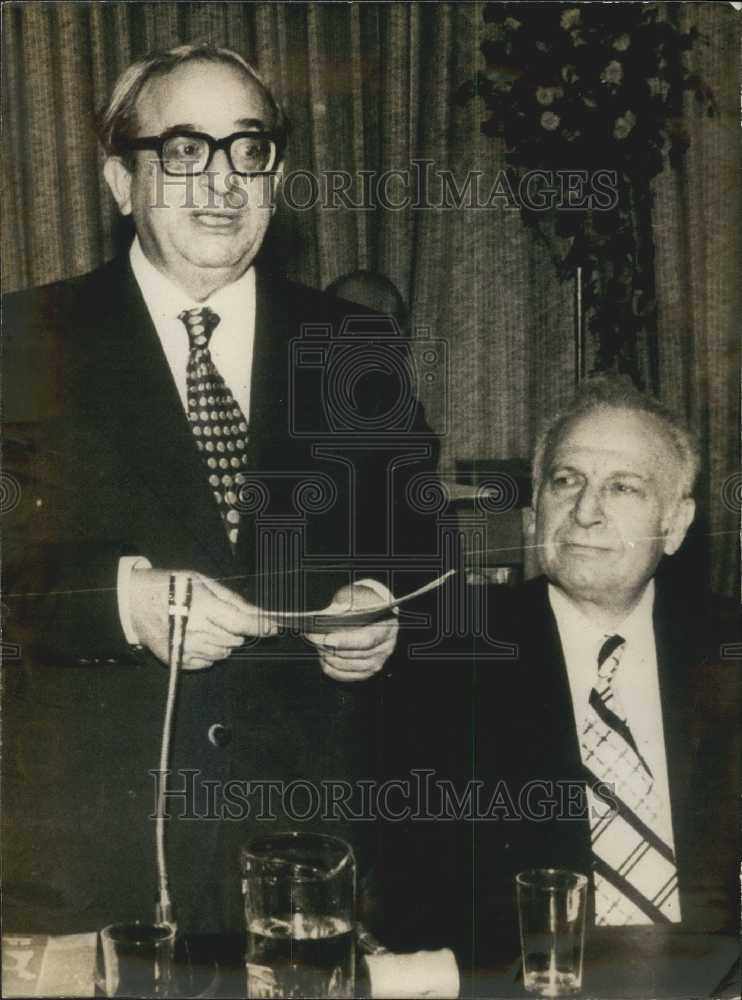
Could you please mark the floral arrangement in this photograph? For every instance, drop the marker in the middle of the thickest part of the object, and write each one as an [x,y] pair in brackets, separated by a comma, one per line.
[593,86]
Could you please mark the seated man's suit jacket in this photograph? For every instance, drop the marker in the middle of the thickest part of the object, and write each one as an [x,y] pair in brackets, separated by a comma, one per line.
[509,723]
[107,466]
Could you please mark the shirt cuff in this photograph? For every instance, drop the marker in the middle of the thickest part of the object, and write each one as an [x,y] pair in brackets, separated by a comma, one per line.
[384,592]
[127,564]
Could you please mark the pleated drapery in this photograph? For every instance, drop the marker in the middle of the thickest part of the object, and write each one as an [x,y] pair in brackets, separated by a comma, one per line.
[370,87]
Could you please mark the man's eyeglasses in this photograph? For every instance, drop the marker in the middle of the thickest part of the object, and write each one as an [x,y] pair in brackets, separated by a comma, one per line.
[187,153]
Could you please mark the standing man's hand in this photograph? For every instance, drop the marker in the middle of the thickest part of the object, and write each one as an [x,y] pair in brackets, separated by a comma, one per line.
[357,652]
[219,620]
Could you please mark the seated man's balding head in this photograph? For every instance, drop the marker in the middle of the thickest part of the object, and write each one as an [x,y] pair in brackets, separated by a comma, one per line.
[613,476]
[374,291]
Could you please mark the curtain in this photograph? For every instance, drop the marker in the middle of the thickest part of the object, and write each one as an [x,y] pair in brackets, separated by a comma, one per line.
[370,88]
[698,234]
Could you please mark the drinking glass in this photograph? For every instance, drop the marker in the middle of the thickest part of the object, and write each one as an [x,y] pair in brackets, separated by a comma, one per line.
[299,895]
[551,912]
[137,959]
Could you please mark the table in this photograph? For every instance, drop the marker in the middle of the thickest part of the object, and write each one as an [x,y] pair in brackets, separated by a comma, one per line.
[619,963]
[636,963]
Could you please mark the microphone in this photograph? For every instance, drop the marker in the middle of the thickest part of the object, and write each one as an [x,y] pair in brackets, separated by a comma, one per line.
[179,606]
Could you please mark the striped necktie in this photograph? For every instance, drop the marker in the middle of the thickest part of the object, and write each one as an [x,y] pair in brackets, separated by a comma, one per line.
[218,424]
[634,866]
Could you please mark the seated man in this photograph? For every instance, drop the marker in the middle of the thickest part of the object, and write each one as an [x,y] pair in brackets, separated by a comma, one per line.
[609,743]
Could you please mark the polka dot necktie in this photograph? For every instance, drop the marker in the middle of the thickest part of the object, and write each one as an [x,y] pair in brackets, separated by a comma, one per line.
[636,879]
[218,424]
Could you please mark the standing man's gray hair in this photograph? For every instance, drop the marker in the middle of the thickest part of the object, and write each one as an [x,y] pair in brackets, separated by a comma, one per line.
[117,123]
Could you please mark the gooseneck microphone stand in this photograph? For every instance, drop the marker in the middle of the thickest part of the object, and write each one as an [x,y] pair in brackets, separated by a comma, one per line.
[179,606]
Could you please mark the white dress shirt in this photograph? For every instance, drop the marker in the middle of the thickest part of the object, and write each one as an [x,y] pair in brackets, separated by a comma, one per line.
[636,683]
[231,346]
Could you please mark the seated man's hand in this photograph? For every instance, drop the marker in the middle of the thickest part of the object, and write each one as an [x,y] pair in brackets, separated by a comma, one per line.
[219,620]
[357,652]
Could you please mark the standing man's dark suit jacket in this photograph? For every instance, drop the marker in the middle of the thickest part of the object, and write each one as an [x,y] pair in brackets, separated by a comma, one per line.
[512,722]
[107,465]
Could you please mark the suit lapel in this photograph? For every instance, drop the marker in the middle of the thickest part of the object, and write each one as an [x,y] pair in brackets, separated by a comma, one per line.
[676,648]
[554,697]
[264,420]
[151,426]
[565,842]
[269,386]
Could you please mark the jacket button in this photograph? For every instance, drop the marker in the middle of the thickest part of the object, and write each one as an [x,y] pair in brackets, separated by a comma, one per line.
[220,735]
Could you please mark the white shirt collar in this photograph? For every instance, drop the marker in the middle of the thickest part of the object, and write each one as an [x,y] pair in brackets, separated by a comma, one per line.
[572,622]
[165,299]
[232,342]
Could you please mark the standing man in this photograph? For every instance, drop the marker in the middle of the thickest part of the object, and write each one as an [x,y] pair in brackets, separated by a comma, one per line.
[187,427]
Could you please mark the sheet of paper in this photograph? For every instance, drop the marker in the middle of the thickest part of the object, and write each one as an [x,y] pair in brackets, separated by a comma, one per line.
[331,617]
[42,966]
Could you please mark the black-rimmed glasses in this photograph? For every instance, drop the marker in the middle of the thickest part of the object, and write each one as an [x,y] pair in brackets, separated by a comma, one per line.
[185,153]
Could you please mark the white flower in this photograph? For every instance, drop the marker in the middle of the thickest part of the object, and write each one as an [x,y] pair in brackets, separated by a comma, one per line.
[549,121]
[613,73]
[570,18]
[624,124]
[569,74]
[512,23]
[622,43]
[545,95]
[658,87]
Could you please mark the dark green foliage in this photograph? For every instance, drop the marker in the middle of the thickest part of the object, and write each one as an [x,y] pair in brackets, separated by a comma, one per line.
[593,87]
